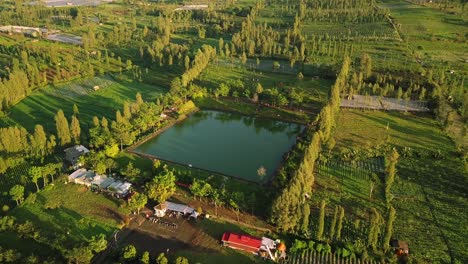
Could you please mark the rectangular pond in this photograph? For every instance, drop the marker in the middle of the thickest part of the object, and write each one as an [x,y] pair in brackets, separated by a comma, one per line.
[226,143]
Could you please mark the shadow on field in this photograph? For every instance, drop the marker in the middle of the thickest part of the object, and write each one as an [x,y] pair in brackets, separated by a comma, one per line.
[153,244]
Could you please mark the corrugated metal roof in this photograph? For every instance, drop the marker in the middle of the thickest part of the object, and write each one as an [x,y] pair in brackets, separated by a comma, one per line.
[245,240]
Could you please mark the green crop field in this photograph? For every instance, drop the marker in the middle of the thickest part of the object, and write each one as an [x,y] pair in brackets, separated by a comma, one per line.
[41,106]
[428,216]
[434,35]
[314,89]
[363,31]
[369,129]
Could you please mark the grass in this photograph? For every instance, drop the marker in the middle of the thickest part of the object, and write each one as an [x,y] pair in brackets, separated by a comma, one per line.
[366,129]
[432,33]
[123,158]
[66,216]
[231,185]
[418,21]
[42,105]
[251,109]
[360,31]
[347,183]
[315,90]
[228,256]
[429,194]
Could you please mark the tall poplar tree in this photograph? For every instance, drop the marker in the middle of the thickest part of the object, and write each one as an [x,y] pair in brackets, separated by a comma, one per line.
[339,226]
[39,141]
[305,218]
[63,131]
[389,228]
[75,129]
[321,221]
[333,224]
[374,229]
[390,170]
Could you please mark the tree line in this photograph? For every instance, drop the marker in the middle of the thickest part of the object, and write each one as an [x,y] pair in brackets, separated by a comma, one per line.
[290,210]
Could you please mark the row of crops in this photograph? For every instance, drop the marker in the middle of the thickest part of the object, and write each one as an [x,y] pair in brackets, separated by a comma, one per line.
[358,32]
[79,88]
[362,169]
[312,257]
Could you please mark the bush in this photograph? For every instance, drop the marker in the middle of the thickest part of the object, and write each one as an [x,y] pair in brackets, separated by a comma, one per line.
[343,252]
[186,108]
[298,246]
[311,245]
[327,249]
[145,258]
[319,247]
[129,252]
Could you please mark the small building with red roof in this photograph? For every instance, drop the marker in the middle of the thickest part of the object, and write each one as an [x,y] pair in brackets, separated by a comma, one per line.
[242,242]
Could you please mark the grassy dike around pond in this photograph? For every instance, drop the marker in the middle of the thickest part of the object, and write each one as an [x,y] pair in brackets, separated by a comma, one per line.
[225,105]
[185,110]
[251,109]
[244,108]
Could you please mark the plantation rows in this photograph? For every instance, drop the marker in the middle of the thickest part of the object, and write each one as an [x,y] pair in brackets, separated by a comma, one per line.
[383,103]
[416,225]
[445,217]
[78,89]
[350,232]
[363,32]
[358,169]
[274,10]
[15,175]
[312,257]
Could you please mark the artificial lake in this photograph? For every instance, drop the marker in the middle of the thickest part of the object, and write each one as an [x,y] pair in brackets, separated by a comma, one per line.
[226,143]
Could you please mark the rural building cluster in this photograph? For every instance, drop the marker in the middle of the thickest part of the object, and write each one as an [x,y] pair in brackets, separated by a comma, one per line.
[117,188]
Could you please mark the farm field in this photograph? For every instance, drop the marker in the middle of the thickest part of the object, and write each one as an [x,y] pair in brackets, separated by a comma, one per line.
[65,215]
[367,129]
[310,257]
[427,215]
[358,31]
[244,122]
[434,35]
[41,106]
[63,3]
[314,89]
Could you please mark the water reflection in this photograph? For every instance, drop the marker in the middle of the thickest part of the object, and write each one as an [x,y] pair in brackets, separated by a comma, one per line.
[227,143]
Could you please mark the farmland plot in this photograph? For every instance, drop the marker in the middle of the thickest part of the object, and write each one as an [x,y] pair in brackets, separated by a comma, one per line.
[382,103]
[429,193]
[313,257]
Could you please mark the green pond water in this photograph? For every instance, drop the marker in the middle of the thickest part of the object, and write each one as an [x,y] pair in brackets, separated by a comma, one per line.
[227,143]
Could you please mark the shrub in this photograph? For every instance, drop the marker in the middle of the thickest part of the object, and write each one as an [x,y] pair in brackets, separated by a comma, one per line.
[311,245]
[319,247]
[129,252]
[298,246]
